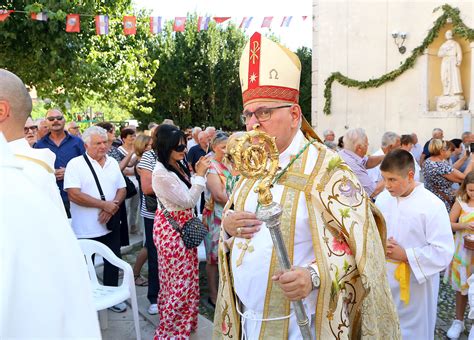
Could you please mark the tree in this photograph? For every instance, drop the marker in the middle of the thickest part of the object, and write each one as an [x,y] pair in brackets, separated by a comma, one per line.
[75,66]
[305,56]
[198,80]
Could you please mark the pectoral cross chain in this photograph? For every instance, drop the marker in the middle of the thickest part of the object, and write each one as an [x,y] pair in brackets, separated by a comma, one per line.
[244,247]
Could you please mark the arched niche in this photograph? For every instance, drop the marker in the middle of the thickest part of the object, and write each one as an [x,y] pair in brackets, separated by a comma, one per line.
[434,68]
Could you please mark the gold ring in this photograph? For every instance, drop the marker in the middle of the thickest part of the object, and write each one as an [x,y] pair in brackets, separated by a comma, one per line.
[239,231]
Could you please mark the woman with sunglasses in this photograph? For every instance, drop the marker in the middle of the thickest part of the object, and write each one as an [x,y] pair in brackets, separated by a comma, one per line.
[178,299]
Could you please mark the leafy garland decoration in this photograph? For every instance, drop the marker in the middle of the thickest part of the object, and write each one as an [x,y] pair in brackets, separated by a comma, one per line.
[459,29]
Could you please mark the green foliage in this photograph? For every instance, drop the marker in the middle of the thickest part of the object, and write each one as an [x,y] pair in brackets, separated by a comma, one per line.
[305,56]
[198,79]
[460,29]
[74,66]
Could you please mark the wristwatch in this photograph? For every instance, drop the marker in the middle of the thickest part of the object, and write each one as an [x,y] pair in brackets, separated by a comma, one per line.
[315,280]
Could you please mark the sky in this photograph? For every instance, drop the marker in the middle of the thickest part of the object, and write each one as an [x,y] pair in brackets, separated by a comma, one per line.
[298,34]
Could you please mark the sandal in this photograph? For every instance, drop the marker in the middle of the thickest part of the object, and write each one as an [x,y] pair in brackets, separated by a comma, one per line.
[140,281]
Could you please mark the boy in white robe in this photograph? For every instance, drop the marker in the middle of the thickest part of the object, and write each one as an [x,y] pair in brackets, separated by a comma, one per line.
[420,244]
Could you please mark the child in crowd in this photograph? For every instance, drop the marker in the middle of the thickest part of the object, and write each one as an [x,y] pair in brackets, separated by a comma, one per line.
[420,244]
[462,222]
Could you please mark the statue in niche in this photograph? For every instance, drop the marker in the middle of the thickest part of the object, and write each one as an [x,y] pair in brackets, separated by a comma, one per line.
[451,52]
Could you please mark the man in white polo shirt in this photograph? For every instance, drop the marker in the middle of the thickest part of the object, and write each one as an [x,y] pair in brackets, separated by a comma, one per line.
[90,214]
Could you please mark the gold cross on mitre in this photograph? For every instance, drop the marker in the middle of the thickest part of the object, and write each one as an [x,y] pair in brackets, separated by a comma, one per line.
[244,247]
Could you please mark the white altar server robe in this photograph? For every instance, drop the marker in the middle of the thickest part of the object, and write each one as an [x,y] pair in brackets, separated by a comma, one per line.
[420,224]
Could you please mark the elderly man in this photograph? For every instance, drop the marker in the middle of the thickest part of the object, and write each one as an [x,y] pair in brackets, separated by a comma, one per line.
[45,288]
[199,150]
[329,136]
[390,141]
[73,129]
[327,225]
[94,217]
[31,131]
[437,133]
[416,149]
[354,153]
[15,108]
[64,145]
[195,140]
[211,132]
[43,127]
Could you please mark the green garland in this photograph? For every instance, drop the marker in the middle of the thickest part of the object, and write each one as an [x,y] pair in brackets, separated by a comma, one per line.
[460,29]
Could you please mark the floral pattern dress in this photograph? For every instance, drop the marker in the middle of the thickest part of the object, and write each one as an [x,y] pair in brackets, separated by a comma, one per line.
[178,298]
[212,213]
[462,266]
[435,182]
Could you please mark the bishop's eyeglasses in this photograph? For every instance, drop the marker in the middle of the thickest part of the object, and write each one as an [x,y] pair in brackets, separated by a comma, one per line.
[262,114]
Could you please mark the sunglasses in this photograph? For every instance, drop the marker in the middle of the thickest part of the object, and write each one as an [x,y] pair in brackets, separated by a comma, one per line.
[180,147]
[55,118]
[28,128]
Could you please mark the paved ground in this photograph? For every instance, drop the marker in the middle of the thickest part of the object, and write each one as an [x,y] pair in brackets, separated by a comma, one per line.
[121,326]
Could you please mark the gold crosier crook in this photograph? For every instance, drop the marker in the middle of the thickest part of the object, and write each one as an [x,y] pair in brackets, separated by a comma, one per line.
[256,156]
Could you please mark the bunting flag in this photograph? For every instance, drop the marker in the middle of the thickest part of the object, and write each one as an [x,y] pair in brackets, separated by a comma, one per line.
[155,25]
[5,13]
[203,23]
[220,20]
[267,22]
[129,25]
[286,21]
[245,22]
[101,24]
[41,16]
[179,23]
[304,17]
[73,23]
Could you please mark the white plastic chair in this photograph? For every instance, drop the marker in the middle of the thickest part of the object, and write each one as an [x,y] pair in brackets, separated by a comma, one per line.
[108,296]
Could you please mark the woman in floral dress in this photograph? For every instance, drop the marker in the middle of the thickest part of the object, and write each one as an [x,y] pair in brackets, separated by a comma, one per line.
[178,298]
[439,175]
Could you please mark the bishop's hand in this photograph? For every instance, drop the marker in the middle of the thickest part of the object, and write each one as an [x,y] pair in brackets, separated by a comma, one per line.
[296,283]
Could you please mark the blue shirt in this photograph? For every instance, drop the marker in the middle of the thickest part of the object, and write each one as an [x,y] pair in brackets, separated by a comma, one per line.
[70,147]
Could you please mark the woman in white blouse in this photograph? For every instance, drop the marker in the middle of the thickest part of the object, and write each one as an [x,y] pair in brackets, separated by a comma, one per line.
[178,299]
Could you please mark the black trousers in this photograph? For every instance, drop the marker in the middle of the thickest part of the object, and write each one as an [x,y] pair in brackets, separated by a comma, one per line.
[111,240]
[153,281]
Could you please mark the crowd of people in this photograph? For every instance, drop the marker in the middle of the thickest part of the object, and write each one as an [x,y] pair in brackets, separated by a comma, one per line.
[354,274]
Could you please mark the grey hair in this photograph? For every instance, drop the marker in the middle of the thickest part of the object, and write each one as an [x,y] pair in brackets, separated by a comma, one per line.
[435,130]
[353,138]
[327,132]
[220,137]
[465,134]
[389,138]
[93,130]
[196,129]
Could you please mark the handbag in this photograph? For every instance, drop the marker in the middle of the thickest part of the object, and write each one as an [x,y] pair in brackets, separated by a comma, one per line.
[193,231]
[131,189]
[114,221]
[150,203]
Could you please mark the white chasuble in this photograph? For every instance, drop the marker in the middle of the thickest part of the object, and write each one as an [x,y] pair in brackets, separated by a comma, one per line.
[420,224]
[252,275]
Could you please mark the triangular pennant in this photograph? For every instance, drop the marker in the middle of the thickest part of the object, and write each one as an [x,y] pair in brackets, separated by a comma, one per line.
[304,17]
[220,20]
[73,23]
[5,13]
[129,25]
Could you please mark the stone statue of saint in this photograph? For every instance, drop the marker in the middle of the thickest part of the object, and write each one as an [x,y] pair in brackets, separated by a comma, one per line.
[451,53]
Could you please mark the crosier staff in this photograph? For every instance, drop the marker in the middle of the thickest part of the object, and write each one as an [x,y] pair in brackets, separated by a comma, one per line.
[256,156]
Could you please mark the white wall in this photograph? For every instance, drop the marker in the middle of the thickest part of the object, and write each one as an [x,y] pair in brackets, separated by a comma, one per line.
[354,38]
